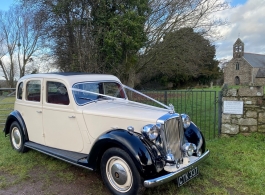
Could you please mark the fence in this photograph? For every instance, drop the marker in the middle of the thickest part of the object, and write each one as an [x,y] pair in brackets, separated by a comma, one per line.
[7,99]
[200,105]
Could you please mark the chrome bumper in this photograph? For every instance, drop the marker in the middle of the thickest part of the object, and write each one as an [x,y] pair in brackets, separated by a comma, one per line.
[166,178]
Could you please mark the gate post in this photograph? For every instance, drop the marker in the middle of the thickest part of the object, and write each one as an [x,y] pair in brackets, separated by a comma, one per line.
[220,104]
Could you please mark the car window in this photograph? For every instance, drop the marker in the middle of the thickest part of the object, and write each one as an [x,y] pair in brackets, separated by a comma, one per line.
[33,90]
[20,91]
[57,93]
[85,92]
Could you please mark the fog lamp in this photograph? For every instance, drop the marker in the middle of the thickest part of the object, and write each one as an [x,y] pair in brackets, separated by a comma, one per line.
[188,149]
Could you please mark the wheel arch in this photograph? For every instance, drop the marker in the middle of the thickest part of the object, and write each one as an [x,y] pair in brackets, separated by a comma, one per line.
[194,135]
[130,143]
[15,116]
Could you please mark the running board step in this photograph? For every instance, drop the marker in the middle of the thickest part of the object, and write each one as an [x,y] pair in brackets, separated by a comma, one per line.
[75,158]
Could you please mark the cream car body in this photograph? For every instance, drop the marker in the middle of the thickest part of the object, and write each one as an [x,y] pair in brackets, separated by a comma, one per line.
[88,120]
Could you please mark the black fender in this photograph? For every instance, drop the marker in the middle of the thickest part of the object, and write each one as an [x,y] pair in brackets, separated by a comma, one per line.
[195,136]
[134,144]
[16,116]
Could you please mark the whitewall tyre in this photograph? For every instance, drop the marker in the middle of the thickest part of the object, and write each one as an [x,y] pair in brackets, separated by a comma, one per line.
[17,137]
[119,173]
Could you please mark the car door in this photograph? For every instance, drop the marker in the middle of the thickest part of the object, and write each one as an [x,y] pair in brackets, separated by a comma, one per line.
[59,119]
[30,107]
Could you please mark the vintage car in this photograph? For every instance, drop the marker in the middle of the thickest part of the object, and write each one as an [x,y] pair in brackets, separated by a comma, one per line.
[89,120]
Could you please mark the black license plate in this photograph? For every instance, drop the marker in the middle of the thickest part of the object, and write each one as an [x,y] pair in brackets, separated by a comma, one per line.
[188,176]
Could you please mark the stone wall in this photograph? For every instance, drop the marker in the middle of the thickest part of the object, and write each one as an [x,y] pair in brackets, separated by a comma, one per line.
[253,117]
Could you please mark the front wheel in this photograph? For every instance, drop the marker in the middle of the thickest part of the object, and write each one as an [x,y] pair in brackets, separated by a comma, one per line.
[119,173]
[17,138]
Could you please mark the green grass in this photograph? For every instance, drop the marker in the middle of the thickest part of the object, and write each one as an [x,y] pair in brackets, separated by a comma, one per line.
[235,166]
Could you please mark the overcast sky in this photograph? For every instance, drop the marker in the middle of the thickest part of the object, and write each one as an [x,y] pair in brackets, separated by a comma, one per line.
[246,21]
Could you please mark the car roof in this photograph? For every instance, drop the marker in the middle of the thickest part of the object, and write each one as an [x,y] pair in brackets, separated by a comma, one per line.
[72,78]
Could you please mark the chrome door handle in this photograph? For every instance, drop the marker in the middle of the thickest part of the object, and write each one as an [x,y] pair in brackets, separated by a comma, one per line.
[71,116]
[39,111]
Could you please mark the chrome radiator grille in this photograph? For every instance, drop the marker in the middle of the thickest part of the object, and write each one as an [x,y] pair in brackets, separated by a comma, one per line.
[173,131]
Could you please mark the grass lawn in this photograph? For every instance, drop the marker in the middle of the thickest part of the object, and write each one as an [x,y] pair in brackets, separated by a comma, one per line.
[235,166]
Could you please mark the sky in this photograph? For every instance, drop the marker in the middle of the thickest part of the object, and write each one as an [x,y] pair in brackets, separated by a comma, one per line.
[4,4]
[246,20]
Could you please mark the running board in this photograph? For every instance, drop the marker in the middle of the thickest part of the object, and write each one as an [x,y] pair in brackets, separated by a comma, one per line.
[78,159]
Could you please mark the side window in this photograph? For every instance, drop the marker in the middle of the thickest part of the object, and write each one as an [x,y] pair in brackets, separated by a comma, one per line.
[20,91]
[237,66]
[33,89]
[57,93]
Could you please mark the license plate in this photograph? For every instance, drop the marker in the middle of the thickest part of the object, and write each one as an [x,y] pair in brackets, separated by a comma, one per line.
[188,176]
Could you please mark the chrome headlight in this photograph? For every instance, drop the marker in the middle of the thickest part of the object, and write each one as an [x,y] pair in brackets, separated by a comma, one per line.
[186,120]
[188,148]
[150,131]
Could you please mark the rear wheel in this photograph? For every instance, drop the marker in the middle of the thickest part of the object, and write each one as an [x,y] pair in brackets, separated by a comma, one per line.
[119,173]
[17,138]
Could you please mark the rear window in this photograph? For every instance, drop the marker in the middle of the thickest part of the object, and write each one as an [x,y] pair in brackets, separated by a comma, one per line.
[20,91]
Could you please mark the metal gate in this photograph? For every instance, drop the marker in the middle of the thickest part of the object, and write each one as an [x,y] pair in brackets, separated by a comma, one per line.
[7,99]
[200,105]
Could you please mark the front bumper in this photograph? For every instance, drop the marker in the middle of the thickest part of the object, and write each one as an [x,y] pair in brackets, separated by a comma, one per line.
[166,178]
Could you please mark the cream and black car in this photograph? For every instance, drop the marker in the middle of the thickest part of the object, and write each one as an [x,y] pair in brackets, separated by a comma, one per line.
[89,120]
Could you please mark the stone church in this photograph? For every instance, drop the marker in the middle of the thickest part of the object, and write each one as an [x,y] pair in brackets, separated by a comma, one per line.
[244,68]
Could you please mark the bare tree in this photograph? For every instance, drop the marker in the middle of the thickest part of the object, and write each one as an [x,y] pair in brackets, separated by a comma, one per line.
[171,15]
[9,35]
[21,30]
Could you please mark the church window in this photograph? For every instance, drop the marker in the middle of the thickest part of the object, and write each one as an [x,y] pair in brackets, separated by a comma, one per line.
[237,66]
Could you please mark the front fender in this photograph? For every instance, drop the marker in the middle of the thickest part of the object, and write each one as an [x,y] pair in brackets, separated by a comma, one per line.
[194,135]
[15,116]
[136,147]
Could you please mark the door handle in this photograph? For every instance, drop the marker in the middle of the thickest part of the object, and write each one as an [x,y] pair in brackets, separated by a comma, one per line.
[71,116]
[39,111]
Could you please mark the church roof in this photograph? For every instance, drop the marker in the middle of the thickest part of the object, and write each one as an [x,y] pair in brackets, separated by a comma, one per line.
[261,73]
[255,60]
[238,41]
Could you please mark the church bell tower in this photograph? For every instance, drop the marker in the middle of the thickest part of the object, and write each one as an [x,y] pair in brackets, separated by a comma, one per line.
[238,49]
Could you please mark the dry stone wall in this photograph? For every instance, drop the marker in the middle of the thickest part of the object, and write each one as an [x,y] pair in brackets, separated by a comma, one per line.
[253,117]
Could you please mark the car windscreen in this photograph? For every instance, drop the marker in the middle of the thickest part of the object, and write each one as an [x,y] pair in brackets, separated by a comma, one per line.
[87,92]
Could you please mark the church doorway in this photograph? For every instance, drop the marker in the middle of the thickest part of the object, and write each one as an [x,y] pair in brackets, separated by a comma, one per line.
[237,80]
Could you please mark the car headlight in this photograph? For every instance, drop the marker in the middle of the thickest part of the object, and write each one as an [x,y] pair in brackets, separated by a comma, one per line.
[188,149]
[150,131]
[186,120]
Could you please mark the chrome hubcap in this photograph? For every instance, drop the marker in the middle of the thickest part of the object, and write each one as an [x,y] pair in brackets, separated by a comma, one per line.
[119,174]
[16,137]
